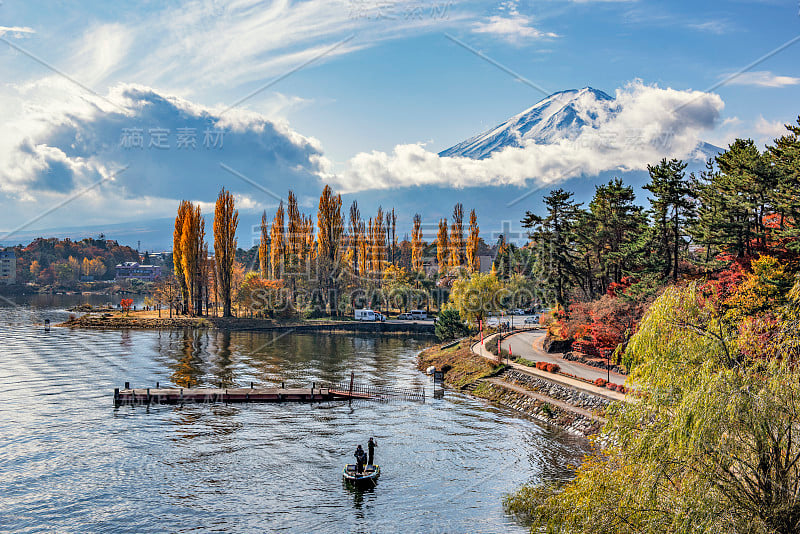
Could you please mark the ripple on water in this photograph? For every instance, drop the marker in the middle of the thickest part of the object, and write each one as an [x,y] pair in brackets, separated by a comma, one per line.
[70,461]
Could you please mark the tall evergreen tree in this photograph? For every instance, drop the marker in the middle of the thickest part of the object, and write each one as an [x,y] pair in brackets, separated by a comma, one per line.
[672,210]
[615,221]
[554,236]
[785,156]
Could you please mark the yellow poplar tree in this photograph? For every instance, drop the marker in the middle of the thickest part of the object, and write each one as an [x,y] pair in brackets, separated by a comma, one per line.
[329,239]
[355,231]
[263,247]
[226,220]
[277,243]
[416,244]
[184,209]
[192,246]
[457,237]
[473,263]
[442,246]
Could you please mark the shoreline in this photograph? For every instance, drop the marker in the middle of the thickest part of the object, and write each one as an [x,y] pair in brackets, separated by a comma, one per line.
[235,324]
[547,401]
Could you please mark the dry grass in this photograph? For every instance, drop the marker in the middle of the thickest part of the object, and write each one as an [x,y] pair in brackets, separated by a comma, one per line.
[462,365]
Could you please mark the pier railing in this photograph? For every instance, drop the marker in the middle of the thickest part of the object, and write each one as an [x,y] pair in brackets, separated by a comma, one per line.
[357,390]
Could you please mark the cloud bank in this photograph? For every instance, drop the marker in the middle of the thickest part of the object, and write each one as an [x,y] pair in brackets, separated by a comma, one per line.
[142,144]
[645,124]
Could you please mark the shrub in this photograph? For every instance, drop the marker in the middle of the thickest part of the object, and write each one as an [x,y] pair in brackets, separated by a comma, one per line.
[552,368]
[450,325]
[600,382]
[611,385]
[621,388]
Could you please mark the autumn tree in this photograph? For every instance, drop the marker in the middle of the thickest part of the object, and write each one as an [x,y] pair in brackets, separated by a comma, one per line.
[226,220]
[442,247]
[473,241]
[457,237]
[329,239]
[263,247]
[184,209]
[355,231]
[192,246]
[417,244]
[378,243]
[277,244]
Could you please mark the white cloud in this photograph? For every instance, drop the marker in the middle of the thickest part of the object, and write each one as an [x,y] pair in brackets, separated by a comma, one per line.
[511,26]
[769,130]
[713,26]
[66,141]
[644,124]
[17,31]
[762,78]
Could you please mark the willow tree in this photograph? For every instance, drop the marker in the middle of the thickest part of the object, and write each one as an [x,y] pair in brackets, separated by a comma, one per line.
[329,240]
[263,247]
[473,240]
[711,444]
[184,209]
[442,247]
[226,220]
[416,244]
[457,237]
[277,251]
[193,235]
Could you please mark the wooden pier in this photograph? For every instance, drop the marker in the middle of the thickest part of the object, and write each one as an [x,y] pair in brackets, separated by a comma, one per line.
[231,395]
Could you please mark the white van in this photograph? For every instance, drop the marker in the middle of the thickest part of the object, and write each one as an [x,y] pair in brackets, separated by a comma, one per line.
[366,315]
[419,315]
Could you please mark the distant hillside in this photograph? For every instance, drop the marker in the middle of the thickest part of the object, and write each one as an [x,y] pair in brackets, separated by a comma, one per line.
[63,261]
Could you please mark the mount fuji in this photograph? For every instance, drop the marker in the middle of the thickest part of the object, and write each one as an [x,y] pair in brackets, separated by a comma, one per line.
[560,116]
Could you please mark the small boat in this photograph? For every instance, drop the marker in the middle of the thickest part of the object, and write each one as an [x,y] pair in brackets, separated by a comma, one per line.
[366,479]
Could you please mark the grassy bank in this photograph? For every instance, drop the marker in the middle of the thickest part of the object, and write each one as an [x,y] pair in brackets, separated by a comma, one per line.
[461,365]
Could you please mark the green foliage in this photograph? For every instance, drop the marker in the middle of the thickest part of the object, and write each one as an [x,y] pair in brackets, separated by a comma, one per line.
[450,325]
[476,296]
[711,446]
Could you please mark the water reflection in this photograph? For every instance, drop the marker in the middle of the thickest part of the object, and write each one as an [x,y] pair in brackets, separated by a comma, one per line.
[189,367]
[71,464]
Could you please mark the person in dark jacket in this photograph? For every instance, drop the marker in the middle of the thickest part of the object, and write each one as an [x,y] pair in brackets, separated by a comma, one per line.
[371,444]
[361,458]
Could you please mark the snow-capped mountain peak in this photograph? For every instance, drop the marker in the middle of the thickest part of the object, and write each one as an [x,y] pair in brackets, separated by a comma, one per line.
[559,116]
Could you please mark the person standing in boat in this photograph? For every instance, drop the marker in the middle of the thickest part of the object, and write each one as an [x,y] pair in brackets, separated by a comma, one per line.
[361,458]
[371,444]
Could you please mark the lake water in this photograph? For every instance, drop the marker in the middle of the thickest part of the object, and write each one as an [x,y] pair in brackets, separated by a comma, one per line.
[71,462]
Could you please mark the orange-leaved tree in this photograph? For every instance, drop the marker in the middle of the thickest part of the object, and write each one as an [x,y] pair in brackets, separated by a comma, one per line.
[226,220]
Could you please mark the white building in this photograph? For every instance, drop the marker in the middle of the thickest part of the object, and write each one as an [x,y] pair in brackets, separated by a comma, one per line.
[8,266]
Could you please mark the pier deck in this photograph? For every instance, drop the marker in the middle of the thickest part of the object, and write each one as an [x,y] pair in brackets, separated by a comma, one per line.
[231,395]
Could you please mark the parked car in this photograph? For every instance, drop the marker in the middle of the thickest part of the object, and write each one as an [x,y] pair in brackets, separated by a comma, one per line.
[533,319]
[492,321]
[517,312]
[404,317]
[419,314]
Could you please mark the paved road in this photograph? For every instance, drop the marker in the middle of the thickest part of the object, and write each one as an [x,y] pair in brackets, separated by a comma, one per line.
[574,383]
[529,346]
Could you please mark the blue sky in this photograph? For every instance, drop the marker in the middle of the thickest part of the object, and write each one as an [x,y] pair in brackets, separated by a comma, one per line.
[380,75]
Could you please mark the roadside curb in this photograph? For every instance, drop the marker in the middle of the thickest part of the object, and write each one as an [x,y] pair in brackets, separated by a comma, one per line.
[558,379]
